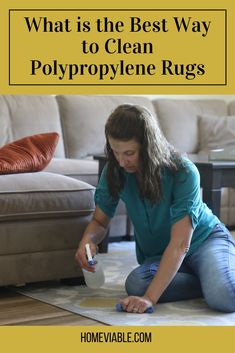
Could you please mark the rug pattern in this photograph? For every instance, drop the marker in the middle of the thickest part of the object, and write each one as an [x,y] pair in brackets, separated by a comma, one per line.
[99,304]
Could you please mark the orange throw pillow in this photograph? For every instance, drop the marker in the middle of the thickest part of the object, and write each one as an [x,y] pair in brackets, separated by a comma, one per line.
[29,154]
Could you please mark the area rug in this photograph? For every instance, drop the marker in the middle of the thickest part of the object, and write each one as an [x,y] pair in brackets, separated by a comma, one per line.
[99,304]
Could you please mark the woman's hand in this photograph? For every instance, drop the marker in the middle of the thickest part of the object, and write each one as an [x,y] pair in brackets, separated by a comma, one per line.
[133,304]
[81,257]
[93,235]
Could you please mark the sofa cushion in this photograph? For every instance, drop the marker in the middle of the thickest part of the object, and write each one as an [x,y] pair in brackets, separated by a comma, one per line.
[43,195]
[179,120]
[216,132]
[30,154]
[25,115]
[83,120]
[87,170]
[231,108]
[81,169]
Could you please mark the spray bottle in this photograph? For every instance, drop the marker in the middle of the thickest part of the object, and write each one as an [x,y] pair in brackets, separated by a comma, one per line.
[93,279]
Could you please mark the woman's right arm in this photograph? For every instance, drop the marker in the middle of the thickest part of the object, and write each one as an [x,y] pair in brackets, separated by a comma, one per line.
[93,235]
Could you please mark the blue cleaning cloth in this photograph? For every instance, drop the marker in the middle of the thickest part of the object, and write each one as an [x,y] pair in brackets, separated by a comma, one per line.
[91,262]
[149,310]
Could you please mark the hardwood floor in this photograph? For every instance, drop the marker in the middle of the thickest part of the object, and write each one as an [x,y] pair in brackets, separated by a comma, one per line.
[19,310]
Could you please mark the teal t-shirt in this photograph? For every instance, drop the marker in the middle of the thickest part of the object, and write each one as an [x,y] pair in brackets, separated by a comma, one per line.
[152,223]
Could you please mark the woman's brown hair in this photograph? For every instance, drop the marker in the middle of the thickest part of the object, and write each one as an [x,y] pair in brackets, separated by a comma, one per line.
[128,122]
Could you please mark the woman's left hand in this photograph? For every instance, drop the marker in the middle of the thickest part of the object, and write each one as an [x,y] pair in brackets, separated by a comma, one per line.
[133,304]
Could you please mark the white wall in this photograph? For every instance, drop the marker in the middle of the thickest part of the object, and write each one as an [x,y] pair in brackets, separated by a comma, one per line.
[225,97]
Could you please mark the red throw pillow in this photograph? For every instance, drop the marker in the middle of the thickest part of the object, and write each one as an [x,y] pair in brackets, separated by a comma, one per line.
[29,154]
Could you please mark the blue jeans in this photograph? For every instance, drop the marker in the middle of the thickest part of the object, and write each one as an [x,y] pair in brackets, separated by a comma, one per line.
[208,272]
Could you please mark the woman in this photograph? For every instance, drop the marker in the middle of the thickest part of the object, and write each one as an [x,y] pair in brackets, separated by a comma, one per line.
[183,250]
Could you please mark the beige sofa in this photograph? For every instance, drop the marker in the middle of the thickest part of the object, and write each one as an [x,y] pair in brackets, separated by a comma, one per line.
[43,214]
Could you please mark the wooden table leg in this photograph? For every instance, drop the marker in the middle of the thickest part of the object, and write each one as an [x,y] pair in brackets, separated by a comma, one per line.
[212,197]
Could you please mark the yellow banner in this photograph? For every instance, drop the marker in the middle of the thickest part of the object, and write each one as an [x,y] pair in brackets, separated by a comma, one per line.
[117,339]
[118,48]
